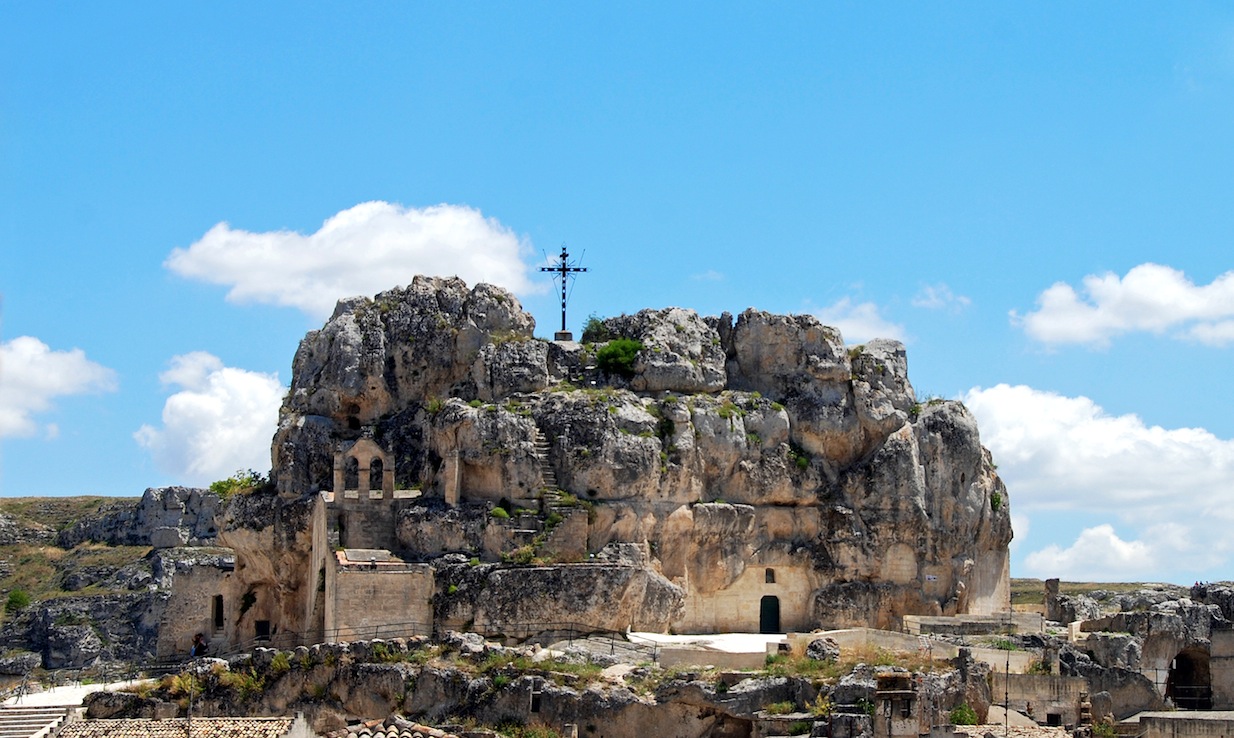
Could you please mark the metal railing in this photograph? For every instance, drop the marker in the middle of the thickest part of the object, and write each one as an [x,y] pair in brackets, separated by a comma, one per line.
[1191,697]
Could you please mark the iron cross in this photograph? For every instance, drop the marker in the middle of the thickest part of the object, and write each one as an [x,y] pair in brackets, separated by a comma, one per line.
[563,270]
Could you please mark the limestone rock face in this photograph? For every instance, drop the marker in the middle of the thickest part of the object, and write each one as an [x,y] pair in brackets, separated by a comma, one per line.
[749,458]
[415,342]
[77,631]
[521,601]
[681,352]
[13,531]
[271,541]
[174,515]
[802,363]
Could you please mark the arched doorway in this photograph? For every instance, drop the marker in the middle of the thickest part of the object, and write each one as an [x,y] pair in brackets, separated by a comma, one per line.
[1190,683]
[769,614]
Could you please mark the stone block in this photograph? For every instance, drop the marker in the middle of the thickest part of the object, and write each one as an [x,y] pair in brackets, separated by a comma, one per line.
[168,537]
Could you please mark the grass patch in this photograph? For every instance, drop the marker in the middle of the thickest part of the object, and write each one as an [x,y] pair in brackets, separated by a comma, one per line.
[556,669]
[58,513]
[830,671]
[1026,591]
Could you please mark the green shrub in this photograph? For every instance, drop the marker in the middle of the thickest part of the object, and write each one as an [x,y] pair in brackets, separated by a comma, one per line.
[996,501]
[799,456]
[18,599]
[963,715]
[1104,729]
[617,356]
[499,512]
[242,482]
[779,708]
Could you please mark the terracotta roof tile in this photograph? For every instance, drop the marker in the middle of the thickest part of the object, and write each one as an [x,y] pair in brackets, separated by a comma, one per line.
[389,728]
[203,727]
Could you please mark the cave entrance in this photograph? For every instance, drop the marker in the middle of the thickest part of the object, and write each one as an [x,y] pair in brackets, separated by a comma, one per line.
[769,614]
[1190,683]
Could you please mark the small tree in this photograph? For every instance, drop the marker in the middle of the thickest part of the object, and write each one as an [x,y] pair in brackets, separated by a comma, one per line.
[617,356]
[594,331]
[18,599]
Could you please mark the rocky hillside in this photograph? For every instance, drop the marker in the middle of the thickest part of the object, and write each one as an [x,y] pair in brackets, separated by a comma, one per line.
[83,578]
[464,679]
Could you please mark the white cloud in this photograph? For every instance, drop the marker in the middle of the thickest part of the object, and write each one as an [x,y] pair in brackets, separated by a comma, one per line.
[221,420]
[859,321]
[1020,525]
[939,297]
[1150,298]
[359,251]
[1066,455]
[1098,554]
[32,376]
[711,275]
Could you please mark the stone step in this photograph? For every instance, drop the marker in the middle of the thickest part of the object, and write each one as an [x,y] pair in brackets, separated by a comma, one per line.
[23,722]
[541,448]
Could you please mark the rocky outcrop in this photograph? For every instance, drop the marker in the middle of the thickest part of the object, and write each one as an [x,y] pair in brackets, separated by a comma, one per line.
[726,444]
[1129,691]
[522,601]
[271,540]
[14,531]
[78,631]
[164,517]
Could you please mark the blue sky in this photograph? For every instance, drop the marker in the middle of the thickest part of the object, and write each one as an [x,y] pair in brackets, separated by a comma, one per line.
[1036,199]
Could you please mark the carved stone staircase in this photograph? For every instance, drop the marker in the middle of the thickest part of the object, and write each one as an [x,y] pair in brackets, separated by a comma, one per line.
[30,722]
[550,494]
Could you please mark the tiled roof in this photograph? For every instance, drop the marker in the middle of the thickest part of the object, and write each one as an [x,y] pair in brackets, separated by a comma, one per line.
[389,728]
[203,727]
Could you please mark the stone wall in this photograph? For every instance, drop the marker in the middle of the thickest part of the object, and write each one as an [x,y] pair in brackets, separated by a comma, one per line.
[392,599]
[1180,727]
[1222,669]
[204,594]
[1041,695]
